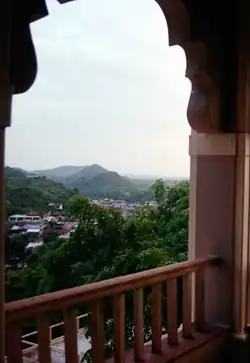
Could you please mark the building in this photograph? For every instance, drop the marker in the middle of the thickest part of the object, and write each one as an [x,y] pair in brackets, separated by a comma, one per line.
[216,290]
[17,218]
[25,218]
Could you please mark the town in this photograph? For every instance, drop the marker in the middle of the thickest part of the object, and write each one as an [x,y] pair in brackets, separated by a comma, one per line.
[40,229]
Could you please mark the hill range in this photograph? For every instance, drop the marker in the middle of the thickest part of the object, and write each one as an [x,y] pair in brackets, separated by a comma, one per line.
[27,190]
[96,181]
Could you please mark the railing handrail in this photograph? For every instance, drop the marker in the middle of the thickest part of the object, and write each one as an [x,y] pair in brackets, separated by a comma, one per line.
[51,327]
[25,308]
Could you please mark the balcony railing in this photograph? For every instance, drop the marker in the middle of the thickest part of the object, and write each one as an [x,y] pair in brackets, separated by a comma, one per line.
[67,300]
[29,340]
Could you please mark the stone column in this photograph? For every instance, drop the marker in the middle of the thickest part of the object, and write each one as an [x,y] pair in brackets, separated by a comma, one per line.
[219,221]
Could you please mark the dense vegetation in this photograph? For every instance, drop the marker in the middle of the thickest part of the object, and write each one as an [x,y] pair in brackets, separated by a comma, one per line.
[24,194]
[106,245]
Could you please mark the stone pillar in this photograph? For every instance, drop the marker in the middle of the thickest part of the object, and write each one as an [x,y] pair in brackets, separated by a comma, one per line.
[219,221]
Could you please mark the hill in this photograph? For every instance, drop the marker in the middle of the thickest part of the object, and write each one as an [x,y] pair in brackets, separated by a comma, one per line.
[25,192]
[84,175]
[93,181]
[96,181]
[106,184]
[59,173]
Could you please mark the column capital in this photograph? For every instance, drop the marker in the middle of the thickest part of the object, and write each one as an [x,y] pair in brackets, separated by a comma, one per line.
[219,144]
[212,144]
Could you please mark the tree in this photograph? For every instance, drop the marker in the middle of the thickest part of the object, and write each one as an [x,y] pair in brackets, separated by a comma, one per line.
[159,191]
[15,250]
[50,235]
[106,245]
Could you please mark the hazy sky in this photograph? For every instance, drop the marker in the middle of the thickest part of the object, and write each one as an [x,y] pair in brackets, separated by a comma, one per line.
[109,90]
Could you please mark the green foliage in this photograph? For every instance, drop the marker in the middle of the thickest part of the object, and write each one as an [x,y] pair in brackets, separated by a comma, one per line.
[14,285]
[15,251]
[106,245]
[94,181]
[159,190]
[105,185]
[24,194]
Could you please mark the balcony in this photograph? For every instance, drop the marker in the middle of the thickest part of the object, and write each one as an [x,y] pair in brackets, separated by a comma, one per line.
[166,345]
[215,37]
[57,345]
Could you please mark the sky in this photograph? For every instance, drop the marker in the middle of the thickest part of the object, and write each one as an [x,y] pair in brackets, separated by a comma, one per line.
[109,91]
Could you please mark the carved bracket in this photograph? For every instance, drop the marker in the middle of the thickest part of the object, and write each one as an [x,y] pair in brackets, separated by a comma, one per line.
[203,107]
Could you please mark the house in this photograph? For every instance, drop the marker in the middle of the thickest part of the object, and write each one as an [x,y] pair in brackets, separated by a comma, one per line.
[25,218]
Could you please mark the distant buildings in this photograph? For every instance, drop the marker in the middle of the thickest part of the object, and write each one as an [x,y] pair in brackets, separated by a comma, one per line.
[46,228]
[126,208]
[55,206]
[32,217]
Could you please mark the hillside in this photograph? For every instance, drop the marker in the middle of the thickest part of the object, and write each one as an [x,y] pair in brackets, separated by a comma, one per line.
[108,184]
[59,173]
[25,193]
[84,175]
[96,181]
[93,181]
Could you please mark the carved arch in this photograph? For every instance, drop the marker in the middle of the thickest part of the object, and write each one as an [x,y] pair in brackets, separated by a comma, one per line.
[203,107]
[207,30]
